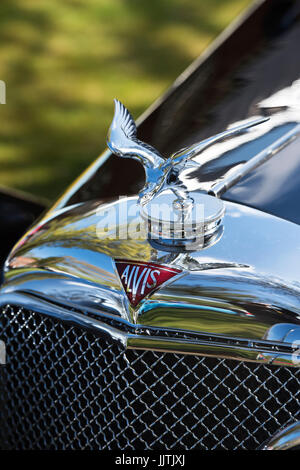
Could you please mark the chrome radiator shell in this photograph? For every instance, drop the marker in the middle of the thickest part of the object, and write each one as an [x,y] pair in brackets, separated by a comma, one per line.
[224,302]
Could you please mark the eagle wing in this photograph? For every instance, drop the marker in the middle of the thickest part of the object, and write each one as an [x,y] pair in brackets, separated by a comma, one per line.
[123,121]
[122,140]
[183,156]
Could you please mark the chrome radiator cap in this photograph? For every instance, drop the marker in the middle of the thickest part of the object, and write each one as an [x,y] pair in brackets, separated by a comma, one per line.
[191,227]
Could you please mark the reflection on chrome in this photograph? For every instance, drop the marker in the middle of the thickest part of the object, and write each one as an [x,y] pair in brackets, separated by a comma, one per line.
[287,438]
[226,302]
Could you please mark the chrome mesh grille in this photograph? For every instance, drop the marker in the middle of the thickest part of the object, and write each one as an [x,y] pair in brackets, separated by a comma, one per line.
[63,388]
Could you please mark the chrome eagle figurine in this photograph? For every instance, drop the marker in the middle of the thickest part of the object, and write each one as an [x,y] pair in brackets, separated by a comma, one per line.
[161,174]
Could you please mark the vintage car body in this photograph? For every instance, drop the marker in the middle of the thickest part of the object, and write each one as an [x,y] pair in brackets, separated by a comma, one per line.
[209,358]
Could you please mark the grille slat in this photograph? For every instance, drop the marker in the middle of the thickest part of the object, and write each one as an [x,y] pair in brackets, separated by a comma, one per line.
[63,388]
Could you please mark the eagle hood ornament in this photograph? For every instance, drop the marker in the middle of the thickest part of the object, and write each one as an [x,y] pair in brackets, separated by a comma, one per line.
[161,174]
[163,184]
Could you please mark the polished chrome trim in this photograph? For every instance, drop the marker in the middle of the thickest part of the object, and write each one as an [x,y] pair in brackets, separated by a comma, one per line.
[199,348]
[285,439]
[30,302]
[160,339]
[240,171]
[230,298]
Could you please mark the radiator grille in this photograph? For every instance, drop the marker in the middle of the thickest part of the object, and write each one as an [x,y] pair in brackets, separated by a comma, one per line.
[63,388]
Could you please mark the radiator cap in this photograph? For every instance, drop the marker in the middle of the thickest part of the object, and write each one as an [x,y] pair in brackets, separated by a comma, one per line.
[170,224]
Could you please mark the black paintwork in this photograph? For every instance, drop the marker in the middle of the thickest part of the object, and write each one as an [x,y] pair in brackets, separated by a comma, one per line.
[16,215]
[275,187]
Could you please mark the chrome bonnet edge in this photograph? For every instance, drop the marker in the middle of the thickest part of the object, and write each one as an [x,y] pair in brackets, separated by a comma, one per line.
[288,438]
[169,340]
[30,302]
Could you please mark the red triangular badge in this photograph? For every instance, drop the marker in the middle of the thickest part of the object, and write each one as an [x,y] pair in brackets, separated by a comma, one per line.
[140,279]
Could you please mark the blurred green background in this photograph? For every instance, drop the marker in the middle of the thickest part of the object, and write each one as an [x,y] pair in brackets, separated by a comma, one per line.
[64,61]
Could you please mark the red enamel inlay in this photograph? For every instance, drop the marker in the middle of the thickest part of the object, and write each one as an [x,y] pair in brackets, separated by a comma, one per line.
[140,279]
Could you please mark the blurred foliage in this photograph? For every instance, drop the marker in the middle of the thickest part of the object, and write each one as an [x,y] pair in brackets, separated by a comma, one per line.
[64,61]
